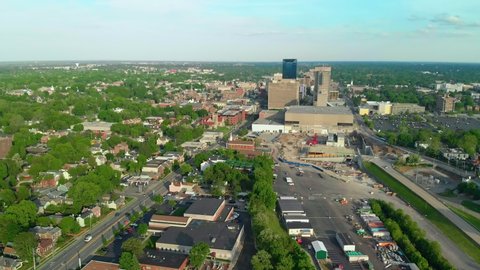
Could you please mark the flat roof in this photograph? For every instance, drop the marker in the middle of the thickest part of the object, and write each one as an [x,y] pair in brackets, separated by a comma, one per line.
[165,218]
[345,238]
[218,235]
[318,246]
[265,121]
[299,225]
[318,110]
[163,258]
[290,206]
[204,206]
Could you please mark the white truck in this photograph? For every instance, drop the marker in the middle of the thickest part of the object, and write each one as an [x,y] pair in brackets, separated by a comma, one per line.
[289,181]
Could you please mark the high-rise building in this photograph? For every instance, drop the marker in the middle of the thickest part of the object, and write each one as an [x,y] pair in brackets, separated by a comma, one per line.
[289,69]
[282,93]
[321,77]
[445,104]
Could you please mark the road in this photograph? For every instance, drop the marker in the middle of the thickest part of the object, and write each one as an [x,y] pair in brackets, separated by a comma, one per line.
[430,199]
[80,252]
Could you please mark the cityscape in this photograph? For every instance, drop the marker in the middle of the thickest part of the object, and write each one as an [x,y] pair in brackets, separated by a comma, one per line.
[269,151]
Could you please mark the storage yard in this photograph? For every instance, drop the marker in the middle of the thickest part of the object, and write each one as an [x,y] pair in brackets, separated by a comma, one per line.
[334,206]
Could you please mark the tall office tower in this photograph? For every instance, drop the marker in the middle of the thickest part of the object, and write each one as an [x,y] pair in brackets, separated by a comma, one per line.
[282,93]
[321,76]
[289,69]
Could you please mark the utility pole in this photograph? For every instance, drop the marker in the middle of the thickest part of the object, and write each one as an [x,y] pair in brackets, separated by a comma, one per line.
[33,256]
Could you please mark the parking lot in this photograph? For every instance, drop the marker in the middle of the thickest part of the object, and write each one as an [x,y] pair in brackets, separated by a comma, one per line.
[319,196]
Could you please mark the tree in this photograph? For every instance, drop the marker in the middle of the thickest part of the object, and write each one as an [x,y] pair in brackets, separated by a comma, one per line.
[158,199]
[261,261]
[185,169]
[198,254]
[69,225]
[44,221]
[85,193]
[133,246]
[142,229]
[128,261]
[25,243]
[242,132]
[22,193]
[24,213]
[172,203]
[78,127]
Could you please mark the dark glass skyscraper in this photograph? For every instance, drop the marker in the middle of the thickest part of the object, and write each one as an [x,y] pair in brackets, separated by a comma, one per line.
[289,69]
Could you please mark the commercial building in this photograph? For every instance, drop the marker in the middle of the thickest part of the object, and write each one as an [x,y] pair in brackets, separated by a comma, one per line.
[206,209]
[266,125]
[445,104]
[289,70]
[449,87]
[329,153]
[231,115]
[399,108]
[387,108]
[321,77]
[98,127]
[159,223]
[282,93]
[294,217]
[318,119]
[151,260]
[224,239]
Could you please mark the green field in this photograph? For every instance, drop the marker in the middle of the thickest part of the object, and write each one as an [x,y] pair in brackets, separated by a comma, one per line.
[471,205]
[475,222]
[449,229]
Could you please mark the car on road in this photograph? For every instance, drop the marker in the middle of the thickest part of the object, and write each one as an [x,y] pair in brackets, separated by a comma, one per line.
[87,238]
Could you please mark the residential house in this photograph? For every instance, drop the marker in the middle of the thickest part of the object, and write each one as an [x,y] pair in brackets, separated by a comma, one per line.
[96,211]
[7,263]
[115,204]
[454,154]
[44,247]
[123,146]
[83,216]
[52,233]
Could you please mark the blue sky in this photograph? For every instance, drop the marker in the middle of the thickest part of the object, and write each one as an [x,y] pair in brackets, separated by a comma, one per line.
[240,30]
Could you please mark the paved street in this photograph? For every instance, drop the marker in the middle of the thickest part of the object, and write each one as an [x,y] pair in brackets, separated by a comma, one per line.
[70,257]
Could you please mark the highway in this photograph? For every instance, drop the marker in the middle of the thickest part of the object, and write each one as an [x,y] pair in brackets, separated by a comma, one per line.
[430,199]
[80,252]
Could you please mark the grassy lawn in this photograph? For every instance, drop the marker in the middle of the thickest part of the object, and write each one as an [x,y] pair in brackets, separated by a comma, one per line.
[274,224]
[471,205]
[475,222]
[449,229]
[448,193]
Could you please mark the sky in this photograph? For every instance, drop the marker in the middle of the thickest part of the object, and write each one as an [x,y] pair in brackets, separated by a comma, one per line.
[240,30]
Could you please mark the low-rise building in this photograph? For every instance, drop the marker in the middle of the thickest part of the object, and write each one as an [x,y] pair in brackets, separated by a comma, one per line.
[399,108]
[155,168]
[158,223]
[178,186]
[7,263]
[224,239]
[454,154]
[208,209]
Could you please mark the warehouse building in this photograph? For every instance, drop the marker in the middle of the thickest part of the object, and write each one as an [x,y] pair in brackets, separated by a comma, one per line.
[318,119]
[345,242]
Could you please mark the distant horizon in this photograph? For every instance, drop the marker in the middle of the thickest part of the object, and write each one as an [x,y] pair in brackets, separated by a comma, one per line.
[232,61]
[247,30]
